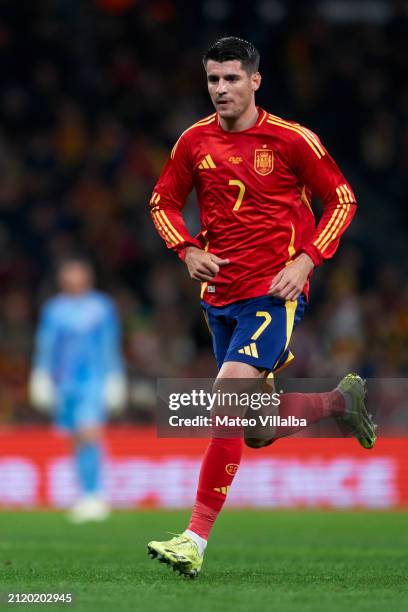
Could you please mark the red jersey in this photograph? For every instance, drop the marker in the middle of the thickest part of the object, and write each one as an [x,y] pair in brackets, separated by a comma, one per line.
[254,190]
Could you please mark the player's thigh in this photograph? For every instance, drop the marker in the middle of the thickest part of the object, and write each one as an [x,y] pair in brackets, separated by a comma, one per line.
[238,370]
[65,409]
[90,412]
[221,327]
[262,335]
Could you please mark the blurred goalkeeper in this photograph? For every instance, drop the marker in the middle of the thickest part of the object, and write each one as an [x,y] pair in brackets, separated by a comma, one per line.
[78,375]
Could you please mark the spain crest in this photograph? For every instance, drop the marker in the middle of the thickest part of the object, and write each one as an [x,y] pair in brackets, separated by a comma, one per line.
[263,161]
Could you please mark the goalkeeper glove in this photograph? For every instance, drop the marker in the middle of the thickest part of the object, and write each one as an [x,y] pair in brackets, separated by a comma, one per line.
[42,391]
[115,393]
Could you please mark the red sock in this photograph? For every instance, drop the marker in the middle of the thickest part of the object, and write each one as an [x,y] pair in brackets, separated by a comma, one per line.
[310,406]
[218,469]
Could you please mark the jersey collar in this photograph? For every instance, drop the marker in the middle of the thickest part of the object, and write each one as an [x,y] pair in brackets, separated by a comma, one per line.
[262,114]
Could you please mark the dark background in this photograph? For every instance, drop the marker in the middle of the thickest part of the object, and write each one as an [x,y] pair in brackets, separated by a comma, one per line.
[93,95]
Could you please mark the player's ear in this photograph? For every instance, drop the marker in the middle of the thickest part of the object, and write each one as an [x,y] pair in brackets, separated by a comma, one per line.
[256,81]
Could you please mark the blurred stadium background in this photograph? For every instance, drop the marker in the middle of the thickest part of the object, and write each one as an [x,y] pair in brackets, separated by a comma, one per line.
[93,95]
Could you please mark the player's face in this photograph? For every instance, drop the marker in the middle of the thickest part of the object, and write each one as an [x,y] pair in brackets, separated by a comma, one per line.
[231,88]
[75,278]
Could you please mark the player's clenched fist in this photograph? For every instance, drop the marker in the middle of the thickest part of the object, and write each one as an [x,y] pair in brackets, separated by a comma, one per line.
[289,283]
[203,266]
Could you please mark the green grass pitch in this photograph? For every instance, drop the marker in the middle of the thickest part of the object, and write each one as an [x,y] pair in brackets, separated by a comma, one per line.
[282,560]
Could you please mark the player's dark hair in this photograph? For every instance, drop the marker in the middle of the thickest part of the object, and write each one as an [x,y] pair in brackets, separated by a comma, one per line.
[233,48]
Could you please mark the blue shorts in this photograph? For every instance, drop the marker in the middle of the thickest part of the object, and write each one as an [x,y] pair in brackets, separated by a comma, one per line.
[80,408]
[256,331]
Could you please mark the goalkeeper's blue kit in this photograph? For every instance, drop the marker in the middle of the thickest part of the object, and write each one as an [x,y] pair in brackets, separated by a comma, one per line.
[78,345]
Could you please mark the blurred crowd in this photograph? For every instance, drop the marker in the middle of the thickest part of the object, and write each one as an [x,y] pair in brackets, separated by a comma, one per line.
[92,97]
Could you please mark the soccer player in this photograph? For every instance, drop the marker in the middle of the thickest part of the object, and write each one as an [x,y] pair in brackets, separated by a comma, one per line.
[254,174]
[78,375]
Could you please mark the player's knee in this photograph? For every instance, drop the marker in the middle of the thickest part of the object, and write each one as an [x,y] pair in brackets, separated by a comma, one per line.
[233,388]
[227,394]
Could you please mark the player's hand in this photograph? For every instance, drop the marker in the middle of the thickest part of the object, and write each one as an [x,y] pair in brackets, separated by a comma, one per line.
[288,284]
[41,390]
[203,266]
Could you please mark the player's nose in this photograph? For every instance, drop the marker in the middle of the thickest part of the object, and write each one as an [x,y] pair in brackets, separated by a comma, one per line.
[221,87]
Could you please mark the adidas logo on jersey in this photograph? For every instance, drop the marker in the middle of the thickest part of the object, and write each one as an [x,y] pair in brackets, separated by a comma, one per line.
[250,350]
[206,163]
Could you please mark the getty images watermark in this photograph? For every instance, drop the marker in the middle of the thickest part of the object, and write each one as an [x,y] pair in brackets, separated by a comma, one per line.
[197,408]
[208,400]
[227,403]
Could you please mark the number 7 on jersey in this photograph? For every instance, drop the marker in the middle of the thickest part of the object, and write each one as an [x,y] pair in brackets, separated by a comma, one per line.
[241,193]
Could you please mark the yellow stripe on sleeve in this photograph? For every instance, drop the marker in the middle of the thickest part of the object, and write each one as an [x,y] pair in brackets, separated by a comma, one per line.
[345,199]
[315,140]
[166,227]
[171,226]
[165,230]
[340,223]
[162,231]
[347,188]
[329,225]
[308,132]
[202,122]
[344,192]
[308,137]
[155,199]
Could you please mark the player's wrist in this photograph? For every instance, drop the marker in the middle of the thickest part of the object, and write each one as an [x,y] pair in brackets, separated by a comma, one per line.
[190,250]
[184,249]
[307,261]
[314,255]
